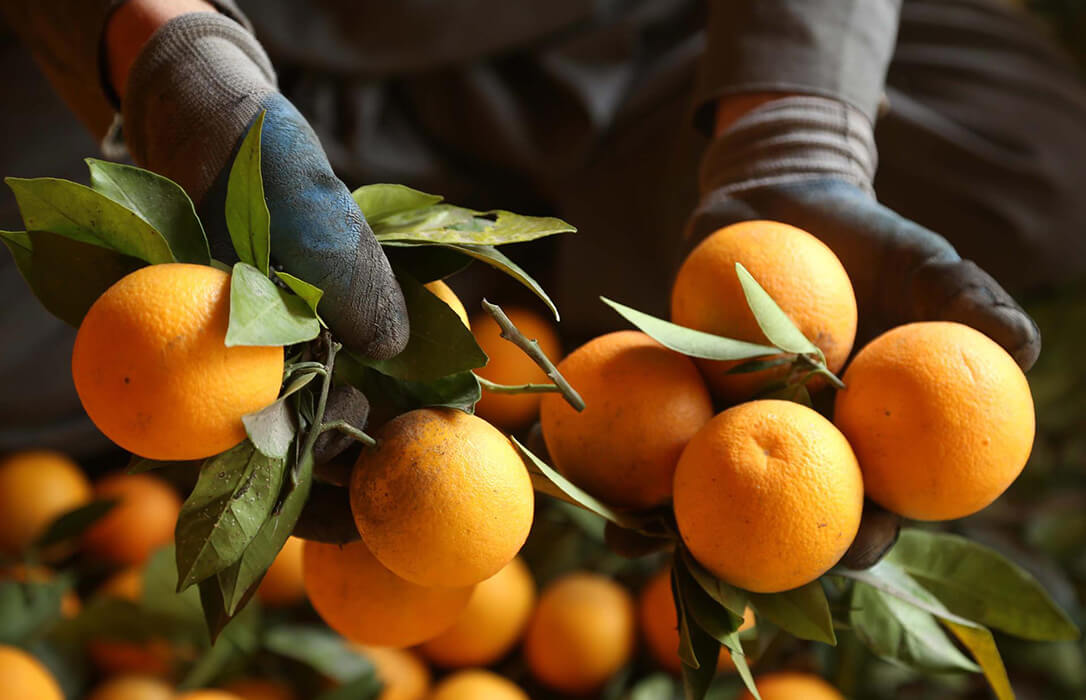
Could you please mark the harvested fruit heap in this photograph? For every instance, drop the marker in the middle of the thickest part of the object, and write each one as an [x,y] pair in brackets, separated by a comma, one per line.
[724,438]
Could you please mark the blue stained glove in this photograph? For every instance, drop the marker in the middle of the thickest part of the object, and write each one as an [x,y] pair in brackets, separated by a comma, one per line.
[192,95]
[808,162]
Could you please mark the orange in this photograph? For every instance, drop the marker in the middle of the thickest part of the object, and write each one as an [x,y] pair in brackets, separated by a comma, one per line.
[447,295]
[443,499]
[23,676]
[799,271]
[581,634]
[70,604]
[132,687]
[660,624]
[941,419]
[368,604]
[507,364]
[643,403]
[768,495]
[282,584]
[493,622]
[36,488]
[259,689]
[404,675]
[142,520]
[477,684]
[208,695]
[126,584]
[792,685]
[152,369]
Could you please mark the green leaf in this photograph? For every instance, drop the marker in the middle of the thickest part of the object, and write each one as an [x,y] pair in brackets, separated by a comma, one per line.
[157,200]
[239,581]
[238,642]
[247,217]
[439,344]
[78,212]
[139,465]
[656,686]
[980,584]
[263,314]
[732,598]
[498,260]
[234,494]
[179,615]
[28,609]
[66,276]
[775,324]
[74,522]
[426,263]
[460,391]
[903,634]
[698,651]
[271,429]
[689,341]
[322,650]
[546,480]
[759,365]
[381,200]
[445,223]
[309,293]
[803,612]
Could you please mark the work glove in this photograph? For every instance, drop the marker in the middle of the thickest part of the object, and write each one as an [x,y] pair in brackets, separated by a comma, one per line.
[192,94]
[809,162]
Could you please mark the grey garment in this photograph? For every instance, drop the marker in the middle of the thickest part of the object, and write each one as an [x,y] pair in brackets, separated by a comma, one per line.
[830,48]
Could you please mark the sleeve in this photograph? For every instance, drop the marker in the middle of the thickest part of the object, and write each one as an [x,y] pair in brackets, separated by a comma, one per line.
[829,48]
[65,38]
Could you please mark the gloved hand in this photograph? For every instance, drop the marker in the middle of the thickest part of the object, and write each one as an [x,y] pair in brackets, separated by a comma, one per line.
[193,92]
[809,162]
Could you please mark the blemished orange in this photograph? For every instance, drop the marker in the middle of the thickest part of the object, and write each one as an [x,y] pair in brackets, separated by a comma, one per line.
[152,369]
[259,689]
[368,604]
[444,499]
[403,673]
[582,632]
[643,403]
[207,694]
[37,487]
[282,584]
[768,495]
[792,685]
[142,520]
[941,419]
[477,684]
[507,364]
[493,622]
[799,271]
[447,295]
[132,687]
[660,624]
[23,676]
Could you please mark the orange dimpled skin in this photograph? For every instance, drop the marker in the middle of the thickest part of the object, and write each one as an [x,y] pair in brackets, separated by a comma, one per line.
[792,685]
[581,634]
[941,419]
[152,369]
[799,271]
[643,403]
[368,604]
[768,495]
[23,676]
[508,364]
[444,499]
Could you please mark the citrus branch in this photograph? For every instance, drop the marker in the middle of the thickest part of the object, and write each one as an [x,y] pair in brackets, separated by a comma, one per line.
[349,430]
[305,464]
[517,388]
[531,349]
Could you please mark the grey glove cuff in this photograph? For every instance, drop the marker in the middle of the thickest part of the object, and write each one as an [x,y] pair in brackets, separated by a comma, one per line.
[791,140]
[194,89]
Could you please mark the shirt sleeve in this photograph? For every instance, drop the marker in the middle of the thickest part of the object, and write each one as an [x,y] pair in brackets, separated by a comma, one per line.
[65,38]
[830,48]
